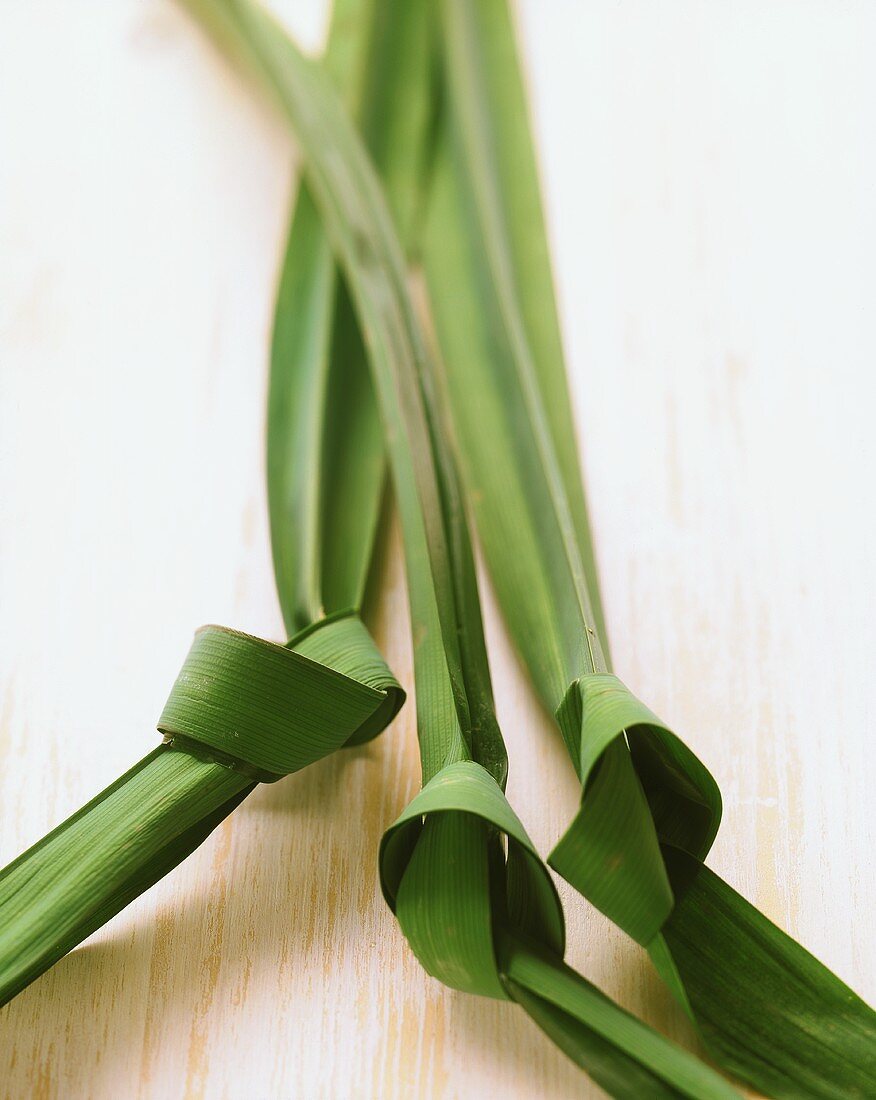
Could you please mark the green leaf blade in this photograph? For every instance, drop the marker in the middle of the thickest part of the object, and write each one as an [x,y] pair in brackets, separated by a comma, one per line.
[645,795]
[450,665]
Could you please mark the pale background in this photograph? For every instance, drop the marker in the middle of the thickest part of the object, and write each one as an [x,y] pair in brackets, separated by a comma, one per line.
[710,178]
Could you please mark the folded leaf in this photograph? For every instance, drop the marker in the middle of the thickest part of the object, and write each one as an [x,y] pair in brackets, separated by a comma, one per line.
[649,809]
[243,709]
[311,698]
[444,869]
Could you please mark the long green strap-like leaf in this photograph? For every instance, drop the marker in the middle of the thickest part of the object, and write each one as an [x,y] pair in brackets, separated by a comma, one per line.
[768,1011]
[325,460]
[326,463]
[468,910]
[242,709]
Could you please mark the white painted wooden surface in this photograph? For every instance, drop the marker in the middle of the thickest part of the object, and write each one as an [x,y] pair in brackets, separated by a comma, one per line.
[710,176]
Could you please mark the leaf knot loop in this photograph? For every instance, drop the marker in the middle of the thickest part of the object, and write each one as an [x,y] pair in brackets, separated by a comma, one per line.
[268,709]
[657,793]
[464,880]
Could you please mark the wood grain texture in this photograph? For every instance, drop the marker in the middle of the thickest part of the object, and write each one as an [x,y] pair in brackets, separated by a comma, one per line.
[709,173]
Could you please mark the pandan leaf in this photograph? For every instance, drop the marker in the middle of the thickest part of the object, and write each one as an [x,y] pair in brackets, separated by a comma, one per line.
[242,709]
[768,1012]
[468,910]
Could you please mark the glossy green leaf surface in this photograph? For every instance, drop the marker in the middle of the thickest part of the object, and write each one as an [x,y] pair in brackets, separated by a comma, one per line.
[85,871]
[244,709]
[445,872]
[274,708]
[325,461]
[650,809]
